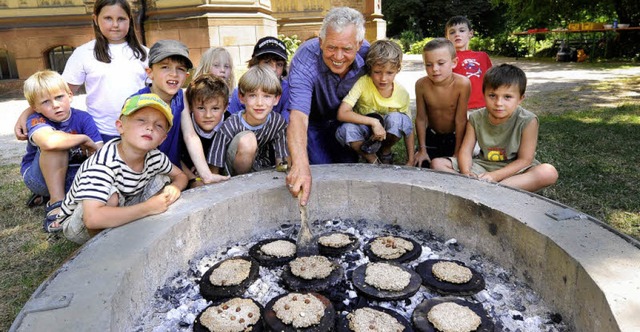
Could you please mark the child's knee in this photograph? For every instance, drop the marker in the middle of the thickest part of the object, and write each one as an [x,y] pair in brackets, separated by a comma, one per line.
[548,173]
[441,164]
[248,143]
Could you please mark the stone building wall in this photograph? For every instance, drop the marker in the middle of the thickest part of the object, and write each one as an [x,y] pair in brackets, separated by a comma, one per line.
[29,29]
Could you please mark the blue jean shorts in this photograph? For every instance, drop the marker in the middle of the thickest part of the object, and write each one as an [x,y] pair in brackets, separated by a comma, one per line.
[34,180]
[395,123]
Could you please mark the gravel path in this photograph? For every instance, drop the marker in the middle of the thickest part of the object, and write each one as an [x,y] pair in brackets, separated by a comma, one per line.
[544,77]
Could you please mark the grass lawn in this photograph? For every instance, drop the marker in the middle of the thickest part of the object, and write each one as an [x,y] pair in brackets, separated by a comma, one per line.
[594,147]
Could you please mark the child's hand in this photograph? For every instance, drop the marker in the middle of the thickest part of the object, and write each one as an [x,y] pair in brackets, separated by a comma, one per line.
[419,157]
[486,177]
[379,133]
[89,148]
[158,203]
[172,193]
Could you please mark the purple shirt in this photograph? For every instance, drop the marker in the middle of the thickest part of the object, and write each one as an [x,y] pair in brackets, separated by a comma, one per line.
[318,92]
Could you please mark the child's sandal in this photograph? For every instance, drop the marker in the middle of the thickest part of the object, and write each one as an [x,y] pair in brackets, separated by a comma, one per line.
[50,218]
[386,158]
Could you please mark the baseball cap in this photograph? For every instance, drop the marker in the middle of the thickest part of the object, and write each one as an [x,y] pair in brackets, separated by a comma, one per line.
[270,45]
[163,49]
[152,100]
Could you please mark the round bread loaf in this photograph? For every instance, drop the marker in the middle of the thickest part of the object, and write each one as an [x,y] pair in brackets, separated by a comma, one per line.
[368,319]
[452,317]
[235,315]
[230,273]
[386,277]
[335,240]
[451,272]
[279,248]
[311,267]
[390,247]
[299,310]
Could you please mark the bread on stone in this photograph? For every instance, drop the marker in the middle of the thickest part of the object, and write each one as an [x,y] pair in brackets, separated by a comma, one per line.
[235,315]
[385,276]
[299,310]
[452,317]
[390,247]
[279,248]
[451,272]
[230,272]
[368,319]
[311,267]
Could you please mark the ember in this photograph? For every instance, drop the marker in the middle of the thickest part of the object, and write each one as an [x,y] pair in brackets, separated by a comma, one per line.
[510,303]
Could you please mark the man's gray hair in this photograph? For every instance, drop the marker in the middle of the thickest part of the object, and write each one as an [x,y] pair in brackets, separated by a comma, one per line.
[339,18]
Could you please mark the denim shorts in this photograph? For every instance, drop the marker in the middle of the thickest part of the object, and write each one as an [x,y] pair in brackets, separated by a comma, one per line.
[34,180]
[395,123]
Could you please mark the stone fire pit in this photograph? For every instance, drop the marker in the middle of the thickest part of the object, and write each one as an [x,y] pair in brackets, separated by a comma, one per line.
[588,272]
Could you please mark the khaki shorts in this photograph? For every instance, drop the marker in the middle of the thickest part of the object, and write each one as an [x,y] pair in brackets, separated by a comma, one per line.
[75,230]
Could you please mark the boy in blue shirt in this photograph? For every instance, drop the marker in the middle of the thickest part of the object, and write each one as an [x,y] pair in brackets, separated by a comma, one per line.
[59,139]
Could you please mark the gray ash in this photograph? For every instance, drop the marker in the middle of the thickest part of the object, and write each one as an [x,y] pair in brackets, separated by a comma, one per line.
[512,304]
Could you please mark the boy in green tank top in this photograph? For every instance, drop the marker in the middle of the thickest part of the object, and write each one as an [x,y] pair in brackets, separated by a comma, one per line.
[507,135]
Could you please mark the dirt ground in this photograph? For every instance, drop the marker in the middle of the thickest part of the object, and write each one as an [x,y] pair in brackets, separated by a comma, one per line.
[565,86]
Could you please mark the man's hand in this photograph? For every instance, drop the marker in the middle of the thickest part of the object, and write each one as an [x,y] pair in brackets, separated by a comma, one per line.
[299,178]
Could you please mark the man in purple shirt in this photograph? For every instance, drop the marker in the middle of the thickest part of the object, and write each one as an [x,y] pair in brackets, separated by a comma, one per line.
[322,72]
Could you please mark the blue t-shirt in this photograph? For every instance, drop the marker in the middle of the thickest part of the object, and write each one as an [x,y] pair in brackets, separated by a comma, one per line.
[235,105]
[79,122]
[171,145]
[318,92]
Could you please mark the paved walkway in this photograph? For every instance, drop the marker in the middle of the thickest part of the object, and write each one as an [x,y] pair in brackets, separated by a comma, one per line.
[542,77]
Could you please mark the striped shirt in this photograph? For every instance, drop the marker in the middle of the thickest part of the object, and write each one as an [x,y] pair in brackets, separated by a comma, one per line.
[272,132]
[105,172]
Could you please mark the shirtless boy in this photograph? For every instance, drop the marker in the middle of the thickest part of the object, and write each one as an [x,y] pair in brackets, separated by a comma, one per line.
[441,103]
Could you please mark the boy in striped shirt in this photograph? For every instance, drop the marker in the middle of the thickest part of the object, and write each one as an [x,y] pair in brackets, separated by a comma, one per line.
[127,178]
[254,138]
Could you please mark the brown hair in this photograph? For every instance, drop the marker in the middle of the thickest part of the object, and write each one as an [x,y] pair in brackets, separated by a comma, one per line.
[259,78]
[505,75]
[101,49]
[206,87]
[440,42]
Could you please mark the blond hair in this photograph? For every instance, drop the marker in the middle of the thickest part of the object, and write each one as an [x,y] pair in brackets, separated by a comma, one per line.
[216,55]
[384,52]
[44,82]
[260,78]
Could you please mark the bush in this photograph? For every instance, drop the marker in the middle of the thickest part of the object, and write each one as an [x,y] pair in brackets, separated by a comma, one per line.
[416,48]
[407,38]
[291,42]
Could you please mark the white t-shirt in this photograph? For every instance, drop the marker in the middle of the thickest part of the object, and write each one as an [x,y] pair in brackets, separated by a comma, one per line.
[108,85]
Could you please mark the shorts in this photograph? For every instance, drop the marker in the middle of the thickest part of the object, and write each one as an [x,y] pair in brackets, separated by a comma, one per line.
[479,166]
[439,145]
[34,180]
[395,123]
[73,226]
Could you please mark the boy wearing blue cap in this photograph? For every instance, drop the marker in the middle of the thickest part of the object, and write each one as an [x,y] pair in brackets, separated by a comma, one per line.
[127,179]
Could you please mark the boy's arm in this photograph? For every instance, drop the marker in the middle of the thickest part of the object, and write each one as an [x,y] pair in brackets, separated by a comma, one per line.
[346,114]
[50,139]
[20,128]
[409,142]
[194,146]
[526,154]
[461,111]
[421,125]
[465,154]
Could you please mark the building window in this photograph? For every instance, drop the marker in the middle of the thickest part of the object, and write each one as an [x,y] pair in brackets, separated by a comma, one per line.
[58,57]
[8,68]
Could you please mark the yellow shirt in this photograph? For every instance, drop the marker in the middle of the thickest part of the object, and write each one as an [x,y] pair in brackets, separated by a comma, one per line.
[365,98]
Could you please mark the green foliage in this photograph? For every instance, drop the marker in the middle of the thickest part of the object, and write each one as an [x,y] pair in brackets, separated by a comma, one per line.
[416,48]
[291,42]
[407,38]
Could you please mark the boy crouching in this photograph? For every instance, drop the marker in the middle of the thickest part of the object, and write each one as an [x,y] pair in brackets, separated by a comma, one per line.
[127,179]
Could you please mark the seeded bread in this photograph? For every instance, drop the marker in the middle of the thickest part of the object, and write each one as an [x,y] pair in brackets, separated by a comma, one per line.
[335,240]
[311,267]
[451,272]
[385,276]
[452,317]
[390,247]
[279,248]
[299,310]
[368,320]
[235,315]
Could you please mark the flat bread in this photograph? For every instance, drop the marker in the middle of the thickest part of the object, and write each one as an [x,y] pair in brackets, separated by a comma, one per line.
[311,267]
[368,319]
[230,272]
[335,240]
[452,317]
[299,310]
[451,272]
[390,247]
[279,248]
[386,277]
[235,315]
